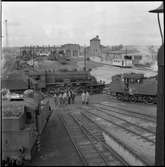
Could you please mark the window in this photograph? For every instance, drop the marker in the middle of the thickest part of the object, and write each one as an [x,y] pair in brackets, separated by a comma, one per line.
[128,57]
[28,116]
[37,77]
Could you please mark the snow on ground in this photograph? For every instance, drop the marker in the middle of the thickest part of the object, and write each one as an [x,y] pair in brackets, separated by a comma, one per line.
[106,72]
[96,59]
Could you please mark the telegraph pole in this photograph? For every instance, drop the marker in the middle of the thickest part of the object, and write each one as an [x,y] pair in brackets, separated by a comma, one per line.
[85,58]
[6,29]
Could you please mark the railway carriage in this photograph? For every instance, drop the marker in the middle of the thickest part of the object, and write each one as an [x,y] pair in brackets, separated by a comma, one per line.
[125,61]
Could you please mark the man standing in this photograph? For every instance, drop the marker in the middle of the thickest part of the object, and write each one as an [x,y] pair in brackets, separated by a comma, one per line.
[83,97]
[73,96]
[69,96]
[64,96]
[86,97]
[55,99]
[60,98]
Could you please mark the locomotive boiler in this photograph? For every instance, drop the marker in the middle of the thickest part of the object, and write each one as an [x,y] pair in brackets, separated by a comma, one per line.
[77,80]
[134,87]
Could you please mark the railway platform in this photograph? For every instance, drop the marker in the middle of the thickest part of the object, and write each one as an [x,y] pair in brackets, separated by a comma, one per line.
[56,149]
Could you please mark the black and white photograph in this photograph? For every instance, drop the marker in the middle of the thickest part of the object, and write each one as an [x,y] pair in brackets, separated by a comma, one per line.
[82,83]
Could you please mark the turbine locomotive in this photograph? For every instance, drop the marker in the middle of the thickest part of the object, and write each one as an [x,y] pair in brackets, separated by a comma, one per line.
[134,87]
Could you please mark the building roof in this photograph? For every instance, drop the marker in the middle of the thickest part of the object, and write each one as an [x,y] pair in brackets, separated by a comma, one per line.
[129,52]
[70,45]
[95,39]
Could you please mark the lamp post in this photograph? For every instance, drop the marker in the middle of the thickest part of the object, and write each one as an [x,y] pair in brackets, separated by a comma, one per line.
[159,150]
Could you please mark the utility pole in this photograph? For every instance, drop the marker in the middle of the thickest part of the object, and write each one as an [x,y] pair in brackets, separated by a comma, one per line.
[6,29]
[33,55]
[85,58]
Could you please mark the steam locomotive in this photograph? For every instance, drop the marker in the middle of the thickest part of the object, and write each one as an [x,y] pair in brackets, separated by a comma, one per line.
[23,120]
[77,80]
[134,87]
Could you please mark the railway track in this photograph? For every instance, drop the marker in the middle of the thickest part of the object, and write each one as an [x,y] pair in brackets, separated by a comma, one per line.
[91,129]
[128,112]
[149,127]
[91,147]
[85,147]
[123,150]
[141,133]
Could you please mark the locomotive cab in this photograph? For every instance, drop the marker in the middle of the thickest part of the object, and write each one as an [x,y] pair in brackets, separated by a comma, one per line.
[132,79]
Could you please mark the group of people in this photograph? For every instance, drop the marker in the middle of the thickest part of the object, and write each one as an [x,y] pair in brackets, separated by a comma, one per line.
[85,97]
[67,96]
[64,97]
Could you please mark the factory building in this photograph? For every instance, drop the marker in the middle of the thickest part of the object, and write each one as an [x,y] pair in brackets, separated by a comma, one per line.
[71,50]
[106,53]
[95,47]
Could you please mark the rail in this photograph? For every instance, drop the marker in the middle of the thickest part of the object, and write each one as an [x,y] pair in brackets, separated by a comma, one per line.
[84,161]
[125,150]
[98,140]
[122,127]
[137,114]
[104,110]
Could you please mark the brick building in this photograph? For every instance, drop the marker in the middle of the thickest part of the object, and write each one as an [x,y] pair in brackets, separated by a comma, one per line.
[71,50]
[95,47]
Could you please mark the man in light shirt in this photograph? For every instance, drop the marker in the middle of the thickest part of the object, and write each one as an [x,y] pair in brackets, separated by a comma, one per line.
[83,97]
[64,96]
[86,97]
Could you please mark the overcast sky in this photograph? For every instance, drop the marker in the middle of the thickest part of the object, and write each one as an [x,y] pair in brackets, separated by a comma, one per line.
[56,23]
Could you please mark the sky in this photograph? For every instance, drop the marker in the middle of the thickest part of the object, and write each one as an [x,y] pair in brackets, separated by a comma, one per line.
[56,23]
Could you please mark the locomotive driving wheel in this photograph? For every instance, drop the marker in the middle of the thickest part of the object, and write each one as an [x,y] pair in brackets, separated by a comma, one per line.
[119,96]
[132,98]
[149,99]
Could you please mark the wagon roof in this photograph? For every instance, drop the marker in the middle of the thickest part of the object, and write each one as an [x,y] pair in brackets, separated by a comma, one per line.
[16,80]
[15,108]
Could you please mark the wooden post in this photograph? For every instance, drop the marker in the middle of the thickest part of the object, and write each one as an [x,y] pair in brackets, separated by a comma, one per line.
[85,59]
[159,152]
